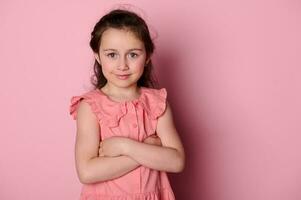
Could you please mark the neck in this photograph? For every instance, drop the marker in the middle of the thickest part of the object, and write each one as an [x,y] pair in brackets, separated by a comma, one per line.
[121,93]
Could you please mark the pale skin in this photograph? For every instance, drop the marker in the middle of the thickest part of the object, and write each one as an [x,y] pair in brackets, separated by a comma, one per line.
[121,52]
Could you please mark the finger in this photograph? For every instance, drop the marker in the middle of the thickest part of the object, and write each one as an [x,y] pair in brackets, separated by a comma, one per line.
[101,153]
[154,135]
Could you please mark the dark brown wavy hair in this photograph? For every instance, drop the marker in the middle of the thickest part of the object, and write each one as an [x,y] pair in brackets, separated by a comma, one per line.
[123,19]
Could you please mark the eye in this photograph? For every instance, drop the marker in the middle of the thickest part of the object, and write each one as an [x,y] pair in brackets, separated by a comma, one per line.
[112,55]
[133,55]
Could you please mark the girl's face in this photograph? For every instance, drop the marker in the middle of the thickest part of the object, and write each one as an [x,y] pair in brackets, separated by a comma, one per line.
[122,57]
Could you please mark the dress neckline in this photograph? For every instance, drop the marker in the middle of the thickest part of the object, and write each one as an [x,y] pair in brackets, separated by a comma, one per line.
[141,89]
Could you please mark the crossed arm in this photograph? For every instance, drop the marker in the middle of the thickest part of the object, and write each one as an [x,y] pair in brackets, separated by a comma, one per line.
[116,156]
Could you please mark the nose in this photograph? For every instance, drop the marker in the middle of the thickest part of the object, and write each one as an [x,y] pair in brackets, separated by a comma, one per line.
[123,64]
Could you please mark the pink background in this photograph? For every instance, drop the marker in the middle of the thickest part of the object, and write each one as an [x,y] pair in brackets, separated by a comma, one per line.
[232,70]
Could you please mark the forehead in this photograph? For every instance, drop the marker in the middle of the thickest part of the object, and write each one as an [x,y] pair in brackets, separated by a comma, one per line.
[120,39]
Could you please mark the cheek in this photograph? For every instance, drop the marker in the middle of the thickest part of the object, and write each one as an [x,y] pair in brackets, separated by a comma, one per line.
[139,65]
[105,61]
[106,70]
[106,66]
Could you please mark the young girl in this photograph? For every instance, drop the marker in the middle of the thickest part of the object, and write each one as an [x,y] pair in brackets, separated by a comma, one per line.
[126,140]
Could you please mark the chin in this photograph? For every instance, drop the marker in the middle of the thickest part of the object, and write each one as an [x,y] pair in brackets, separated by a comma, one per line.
[124,84]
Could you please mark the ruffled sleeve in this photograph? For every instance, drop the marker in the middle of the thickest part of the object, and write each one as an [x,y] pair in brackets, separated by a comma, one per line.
[87,97]
[155,102]
[108,113]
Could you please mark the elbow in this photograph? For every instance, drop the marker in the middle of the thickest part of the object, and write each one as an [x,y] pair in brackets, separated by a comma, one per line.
[87,177]
[179,167]
[84,172]
[179,164]
[84,177]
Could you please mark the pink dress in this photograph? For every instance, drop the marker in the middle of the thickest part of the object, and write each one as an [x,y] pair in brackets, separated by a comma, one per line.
[135,119]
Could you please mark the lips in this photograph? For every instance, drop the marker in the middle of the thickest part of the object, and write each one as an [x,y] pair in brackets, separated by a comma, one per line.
[122,76]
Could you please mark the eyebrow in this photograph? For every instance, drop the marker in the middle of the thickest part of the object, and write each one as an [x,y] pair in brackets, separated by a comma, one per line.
[134,49]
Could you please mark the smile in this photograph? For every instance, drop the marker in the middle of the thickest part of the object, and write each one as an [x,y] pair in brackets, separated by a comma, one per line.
[123,77]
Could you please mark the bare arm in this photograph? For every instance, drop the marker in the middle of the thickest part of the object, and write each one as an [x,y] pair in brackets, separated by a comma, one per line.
[170,157]
[91,168]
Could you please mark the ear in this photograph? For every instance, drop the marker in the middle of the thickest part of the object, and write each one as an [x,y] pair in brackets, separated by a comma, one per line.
[147,60]
[96,55]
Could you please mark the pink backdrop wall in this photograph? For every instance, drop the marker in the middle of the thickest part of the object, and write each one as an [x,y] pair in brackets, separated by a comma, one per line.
[232,70]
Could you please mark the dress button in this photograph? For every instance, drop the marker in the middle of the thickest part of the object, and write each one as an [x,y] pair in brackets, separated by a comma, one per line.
[135,125]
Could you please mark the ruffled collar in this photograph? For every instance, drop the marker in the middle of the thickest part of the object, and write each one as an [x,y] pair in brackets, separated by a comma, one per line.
[112,111]
[134,101]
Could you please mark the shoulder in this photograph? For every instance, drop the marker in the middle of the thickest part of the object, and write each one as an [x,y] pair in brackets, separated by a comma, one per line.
[83,103]
[89,95]
[106,111]
[86,118]
[155,95]
[162,92]
[155,101]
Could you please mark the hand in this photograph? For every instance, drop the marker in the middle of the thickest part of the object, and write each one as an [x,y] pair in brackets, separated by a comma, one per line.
[112,146]
[153,140]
